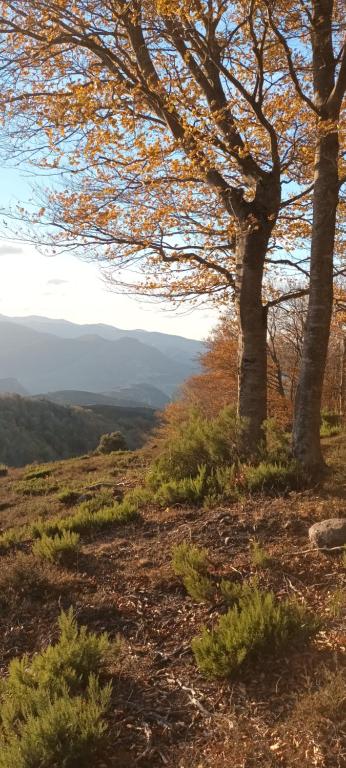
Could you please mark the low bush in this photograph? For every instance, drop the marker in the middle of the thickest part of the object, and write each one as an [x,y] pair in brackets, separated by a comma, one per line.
[188,557]
[198,442]
[329,430]
[38,472]
[63,548]
[3,470]
[259,557]
[276,478]
[35,487]
[84,519]
[68,497]
[256,624]
[191,563]
[277,442]
[13,536]
[114,441]
[53,706]
[188,490]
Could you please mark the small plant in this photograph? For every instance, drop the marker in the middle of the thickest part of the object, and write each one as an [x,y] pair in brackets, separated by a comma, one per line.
[337,602]
[272,477]
[255,624]
[259,557]
[188,490]
[63,548]
[84,519]
[113,441]
[3,470]
[199,587]
[35,487]
[68,497]
[38,472]
[188,557]
[191,563]
[13,536]
[53,706]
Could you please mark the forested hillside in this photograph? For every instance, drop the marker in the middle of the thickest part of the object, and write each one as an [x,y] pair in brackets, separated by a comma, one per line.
[38,430]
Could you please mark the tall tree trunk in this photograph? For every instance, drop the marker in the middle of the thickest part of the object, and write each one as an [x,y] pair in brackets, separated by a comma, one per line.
[329,75]
[252,391]
[342,388]
[306,429]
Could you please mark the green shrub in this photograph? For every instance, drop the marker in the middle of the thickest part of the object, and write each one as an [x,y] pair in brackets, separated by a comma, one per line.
[114,441]
[84,519]
[191,563]
[35,487]
[13,536]
[38,472]
[188,557]
[276,448]
[271,477]
[198,442]
[53,706]
[231,591]
[69,497]
[63,548]
[188,490]
[259,557]
[3,470]
[199,587]
[329,430]
[256,624]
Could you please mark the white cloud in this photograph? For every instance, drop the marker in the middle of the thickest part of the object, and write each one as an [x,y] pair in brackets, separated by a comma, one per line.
[10,250]
[56,281]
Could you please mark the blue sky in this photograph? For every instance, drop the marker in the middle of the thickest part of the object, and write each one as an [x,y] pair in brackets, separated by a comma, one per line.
[66,287]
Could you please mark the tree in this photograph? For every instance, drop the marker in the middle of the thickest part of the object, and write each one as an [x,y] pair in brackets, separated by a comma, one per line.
[177,125]
[323,93]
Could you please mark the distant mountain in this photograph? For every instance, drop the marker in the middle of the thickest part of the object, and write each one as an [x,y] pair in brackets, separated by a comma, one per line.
[136,396]
[39,430]
[178,348]
[44,362]
[12,386]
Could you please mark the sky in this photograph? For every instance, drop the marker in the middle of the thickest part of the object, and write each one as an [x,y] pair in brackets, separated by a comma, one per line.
[63,286]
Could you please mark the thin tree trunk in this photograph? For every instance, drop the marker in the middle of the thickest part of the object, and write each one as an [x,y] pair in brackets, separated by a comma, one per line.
[306,429]
[252,391]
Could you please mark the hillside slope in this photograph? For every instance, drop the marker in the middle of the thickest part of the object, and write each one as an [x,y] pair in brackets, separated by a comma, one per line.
[279,711]
[39,430]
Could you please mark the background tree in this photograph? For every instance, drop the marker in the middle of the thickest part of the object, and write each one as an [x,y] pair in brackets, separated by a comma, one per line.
[318,71]
[176,127]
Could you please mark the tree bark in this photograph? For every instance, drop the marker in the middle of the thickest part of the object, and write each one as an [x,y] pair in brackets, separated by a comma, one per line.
[252,389]
[306,429]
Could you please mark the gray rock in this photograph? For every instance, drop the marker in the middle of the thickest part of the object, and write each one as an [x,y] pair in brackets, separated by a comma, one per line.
[328,533]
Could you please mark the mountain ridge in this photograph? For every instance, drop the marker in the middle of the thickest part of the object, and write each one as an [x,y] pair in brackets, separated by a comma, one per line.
[44,362]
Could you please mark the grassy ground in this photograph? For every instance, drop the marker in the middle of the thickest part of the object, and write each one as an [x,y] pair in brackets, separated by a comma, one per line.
[287,711]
